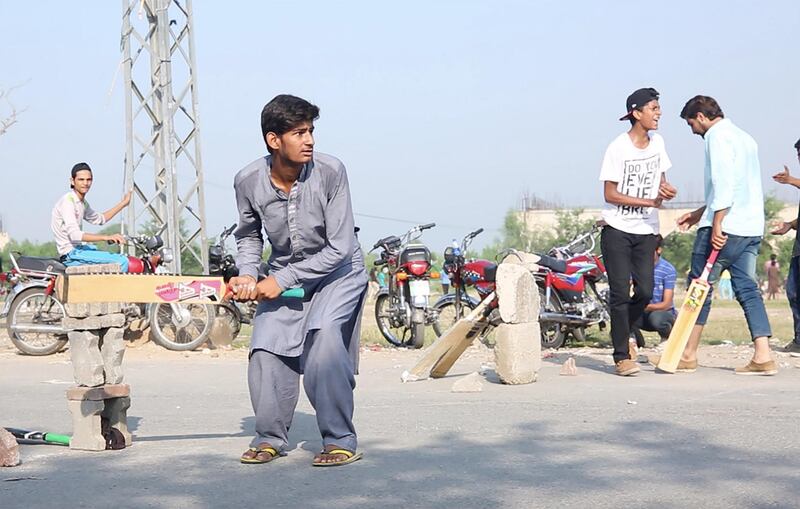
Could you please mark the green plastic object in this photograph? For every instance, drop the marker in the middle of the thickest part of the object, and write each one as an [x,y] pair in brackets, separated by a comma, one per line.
[294,292]
[57,439]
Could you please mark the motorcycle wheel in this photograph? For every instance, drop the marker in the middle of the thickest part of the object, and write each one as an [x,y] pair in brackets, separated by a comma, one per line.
[185,332]
[417,335]
[230,314]
[446,315]
[394,335]
[553,335]
[24,311]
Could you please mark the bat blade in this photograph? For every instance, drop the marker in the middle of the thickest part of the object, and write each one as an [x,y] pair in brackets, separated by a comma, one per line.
[682,329]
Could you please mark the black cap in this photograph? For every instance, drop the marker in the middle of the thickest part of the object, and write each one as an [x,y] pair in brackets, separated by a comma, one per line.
[638,99]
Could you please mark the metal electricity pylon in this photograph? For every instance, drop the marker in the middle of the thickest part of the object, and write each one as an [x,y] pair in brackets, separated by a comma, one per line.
[162,156]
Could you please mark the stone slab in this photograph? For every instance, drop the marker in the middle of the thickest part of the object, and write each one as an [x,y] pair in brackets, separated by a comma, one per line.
[517,294]
[94,322]
[100,268]
[517,352]
[98,393]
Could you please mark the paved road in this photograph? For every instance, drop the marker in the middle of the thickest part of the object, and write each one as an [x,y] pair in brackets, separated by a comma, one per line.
[710,439]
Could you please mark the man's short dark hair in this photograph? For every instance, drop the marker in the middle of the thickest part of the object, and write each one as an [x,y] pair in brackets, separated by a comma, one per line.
[701,104]
[79,167]
[797,145]
[284,112]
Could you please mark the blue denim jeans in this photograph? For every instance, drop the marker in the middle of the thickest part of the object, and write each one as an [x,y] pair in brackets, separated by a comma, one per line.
[88,254]
[738,256]
[792,288]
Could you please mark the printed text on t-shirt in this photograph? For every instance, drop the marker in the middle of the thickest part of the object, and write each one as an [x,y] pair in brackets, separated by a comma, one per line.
[638,178]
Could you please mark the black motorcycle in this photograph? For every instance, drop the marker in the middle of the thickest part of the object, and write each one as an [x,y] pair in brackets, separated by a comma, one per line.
[222,263]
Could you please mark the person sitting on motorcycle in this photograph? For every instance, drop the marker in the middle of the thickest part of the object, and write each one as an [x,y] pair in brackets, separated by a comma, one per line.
[68,214]
[659,315]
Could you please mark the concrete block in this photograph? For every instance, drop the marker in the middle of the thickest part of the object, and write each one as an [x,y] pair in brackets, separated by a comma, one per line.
[87,363]
[116,411]
[517,352]
[87,432]
[83,309]
[517,294]
[112,350]
[100,268]
[100,393]
[9,449]
[94,322]
[528,260]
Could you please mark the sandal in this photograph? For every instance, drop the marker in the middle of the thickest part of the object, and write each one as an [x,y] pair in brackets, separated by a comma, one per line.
[263,453]
[332,450]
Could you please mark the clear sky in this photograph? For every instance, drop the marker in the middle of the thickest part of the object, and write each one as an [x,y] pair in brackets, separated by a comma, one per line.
[444,111]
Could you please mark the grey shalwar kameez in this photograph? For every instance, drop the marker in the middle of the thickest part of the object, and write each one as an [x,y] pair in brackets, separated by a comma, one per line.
[314,246]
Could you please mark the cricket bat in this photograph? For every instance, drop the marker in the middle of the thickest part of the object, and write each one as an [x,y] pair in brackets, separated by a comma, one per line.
[687,316]
[438,358]
[145,288]
[40,436]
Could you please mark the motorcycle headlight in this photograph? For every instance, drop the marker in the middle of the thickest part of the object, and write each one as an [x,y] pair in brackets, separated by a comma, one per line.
[167,255]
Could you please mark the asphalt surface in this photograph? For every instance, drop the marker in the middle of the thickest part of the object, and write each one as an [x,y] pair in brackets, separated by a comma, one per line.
[708,439]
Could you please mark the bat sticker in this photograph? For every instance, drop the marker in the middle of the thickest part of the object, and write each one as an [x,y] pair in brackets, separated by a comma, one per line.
[178,292]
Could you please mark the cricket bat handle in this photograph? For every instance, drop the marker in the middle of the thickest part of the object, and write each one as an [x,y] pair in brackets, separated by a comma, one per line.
[296,293]
[709,264]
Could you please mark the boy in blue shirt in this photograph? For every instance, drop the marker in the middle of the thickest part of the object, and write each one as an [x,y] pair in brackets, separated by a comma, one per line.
[659,315]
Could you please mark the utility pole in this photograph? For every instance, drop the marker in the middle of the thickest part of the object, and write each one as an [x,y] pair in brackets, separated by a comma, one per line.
[162,127]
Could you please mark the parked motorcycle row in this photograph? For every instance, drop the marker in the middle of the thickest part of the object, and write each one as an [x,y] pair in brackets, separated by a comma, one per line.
[572,283]
[571,279]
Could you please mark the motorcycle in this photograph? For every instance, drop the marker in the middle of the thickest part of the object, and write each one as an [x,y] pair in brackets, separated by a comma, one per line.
[33,312]
[464,273]
[572,282]
[402,309]
[222,263]
[573,286]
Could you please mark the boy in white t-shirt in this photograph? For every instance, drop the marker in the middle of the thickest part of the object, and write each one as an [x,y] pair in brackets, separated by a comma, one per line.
[634,185]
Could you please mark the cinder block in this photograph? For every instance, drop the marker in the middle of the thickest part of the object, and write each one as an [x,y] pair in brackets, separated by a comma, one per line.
[517,352]
[116,411]
[528,260]
[87,363]
[83,309]
[94,322]
[112,349]
[517,294]
[87,433]
[100,268]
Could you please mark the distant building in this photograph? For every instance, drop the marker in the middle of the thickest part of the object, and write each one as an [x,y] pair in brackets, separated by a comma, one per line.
[547,218]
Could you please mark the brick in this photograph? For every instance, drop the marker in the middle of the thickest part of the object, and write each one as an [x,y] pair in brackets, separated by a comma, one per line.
[100,268]
[87,363]
[116,411]
[100,393]
[9,449]
[87,433]
[112,350]
[517,352]
[517,294]
[94,322]
[83,310]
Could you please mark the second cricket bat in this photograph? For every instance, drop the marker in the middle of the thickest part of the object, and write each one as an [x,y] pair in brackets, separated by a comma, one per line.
[687,316]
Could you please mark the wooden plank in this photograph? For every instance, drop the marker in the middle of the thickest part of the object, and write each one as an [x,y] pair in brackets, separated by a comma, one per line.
[444,352]
[139,288]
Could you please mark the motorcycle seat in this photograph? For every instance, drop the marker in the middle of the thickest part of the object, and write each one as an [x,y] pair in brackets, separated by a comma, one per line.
[553,264]
[40,264]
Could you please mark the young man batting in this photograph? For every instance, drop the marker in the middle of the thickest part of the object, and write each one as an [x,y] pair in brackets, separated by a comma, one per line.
[300,199]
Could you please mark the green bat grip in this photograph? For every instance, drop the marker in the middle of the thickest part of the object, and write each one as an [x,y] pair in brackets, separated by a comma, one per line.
[294,292]
[57,439]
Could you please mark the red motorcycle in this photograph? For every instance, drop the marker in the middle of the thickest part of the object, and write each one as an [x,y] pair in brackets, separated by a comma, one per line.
[463,273]
[402,308]
[572,283]
[574,291]
[33,312]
